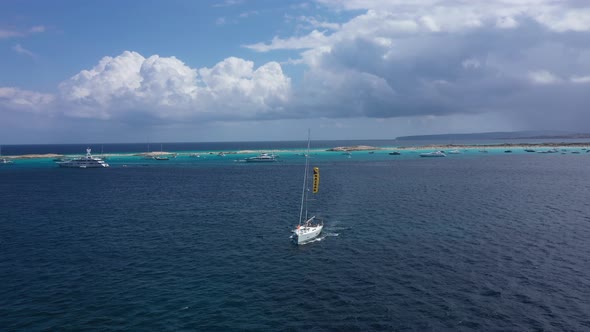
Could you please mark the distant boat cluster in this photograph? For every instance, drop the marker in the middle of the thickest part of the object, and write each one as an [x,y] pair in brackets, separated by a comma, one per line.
[428,151]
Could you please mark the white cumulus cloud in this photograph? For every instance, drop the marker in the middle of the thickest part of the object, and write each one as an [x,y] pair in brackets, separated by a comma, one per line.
[234,84]
[21,50]
[566,15]
[580,79]
[165,87]
[543,77]
[312,40]
[24,100]
[506,22]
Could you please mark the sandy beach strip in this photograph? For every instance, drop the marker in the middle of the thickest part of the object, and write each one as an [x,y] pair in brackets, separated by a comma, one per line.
[464,146]
[35,156]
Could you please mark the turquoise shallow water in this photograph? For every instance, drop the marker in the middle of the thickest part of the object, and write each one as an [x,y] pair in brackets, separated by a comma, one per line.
[477,241]
[126,155]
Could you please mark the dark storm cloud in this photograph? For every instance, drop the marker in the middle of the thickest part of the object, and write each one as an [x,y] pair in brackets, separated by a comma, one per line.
[486,69]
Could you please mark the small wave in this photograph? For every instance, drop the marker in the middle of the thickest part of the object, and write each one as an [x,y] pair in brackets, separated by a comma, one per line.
[491,293]
[340,228]
[335,222]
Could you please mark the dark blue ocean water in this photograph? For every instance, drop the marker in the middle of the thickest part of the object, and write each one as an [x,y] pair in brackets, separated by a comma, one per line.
[471,242]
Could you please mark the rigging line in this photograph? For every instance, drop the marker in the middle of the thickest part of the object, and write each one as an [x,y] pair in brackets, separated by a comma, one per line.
[304,191]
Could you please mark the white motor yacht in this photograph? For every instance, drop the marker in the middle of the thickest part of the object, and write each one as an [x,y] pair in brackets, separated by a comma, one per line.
[262,158]
[433,154]
[88,161]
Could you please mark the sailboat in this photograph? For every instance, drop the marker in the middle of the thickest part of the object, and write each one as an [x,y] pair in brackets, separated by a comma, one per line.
[161,157]
[308,228]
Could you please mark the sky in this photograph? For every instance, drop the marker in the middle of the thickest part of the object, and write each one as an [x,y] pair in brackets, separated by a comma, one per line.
[264,70]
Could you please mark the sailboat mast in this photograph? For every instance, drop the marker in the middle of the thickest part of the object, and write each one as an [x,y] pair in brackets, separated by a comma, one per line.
[304,192]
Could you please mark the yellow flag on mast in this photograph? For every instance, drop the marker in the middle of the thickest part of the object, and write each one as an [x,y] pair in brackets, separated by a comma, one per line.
[316,179]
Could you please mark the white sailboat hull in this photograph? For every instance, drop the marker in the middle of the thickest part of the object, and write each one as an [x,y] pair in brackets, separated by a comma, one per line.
[306,233]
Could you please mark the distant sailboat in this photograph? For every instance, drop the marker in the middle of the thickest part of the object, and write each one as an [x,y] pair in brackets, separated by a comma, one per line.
[102,156]
[308,228]
[161,157]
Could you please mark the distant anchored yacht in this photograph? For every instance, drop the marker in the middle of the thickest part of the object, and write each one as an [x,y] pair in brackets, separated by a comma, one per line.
[87,161]
[433,154]
[262,158]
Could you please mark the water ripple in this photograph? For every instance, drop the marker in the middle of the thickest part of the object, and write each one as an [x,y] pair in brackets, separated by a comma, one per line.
[411,245]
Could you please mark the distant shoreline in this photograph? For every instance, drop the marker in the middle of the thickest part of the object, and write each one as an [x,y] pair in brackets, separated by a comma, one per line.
[35,156]
[461,146]
[340,149]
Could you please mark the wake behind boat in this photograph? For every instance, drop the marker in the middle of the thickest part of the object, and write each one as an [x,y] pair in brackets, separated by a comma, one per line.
[87,161]
[308,228]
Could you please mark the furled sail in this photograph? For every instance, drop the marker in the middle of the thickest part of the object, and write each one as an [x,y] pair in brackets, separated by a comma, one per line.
[316,179]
